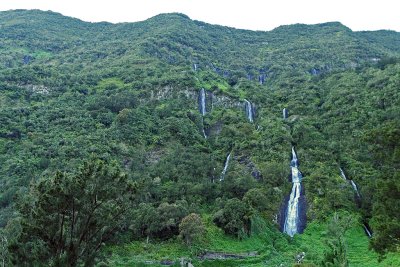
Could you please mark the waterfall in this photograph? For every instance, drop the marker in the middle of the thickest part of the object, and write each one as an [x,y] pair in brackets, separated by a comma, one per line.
[202,102]
[353,184]
[285,113]
[366,227]
[225,167]
[367,230]
[342,174]
[204,132]
[249,110]
[202,107]
[195,67]
[292,215]
[261,79]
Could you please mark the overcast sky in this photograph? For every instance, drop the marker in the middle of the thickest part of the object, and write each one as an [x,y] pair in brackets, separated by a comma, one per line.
[244,14]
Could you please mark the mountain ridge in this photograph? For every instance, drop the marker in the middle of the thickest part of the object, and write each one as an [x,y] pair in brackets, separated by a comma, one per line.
[179,15]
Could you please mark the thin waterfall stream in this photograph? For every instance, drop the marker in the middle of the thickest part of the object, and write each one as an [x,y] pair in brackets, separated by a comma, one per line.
[202,107]
[365,225]
[226,164]
[285,113]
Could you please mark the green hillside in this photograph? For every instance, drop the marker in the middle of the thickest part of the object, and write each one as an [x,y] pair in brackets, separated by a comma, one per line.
[104,120]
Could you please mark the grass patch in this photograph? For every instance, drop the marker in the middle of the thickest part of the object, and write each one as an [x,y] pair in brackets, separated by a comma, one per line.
[273,249]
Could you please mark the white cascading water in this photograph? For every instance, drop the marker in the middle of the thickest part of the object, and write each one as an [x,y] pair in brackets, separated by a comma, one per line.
[249,111]
[369,234]
[353,184]
[285,113]
[342,174]
[225,167]
[202,101]
[292,215]
[355,188]
[202,107]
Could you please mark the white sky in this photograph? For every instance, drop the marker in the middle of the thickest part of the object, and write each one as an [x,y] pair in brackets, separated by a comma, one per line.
[248,14]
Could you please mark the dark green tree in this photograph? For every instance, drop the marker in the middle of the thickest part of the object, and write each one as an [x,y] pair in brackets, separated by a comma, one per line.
[66,218]
[233,218]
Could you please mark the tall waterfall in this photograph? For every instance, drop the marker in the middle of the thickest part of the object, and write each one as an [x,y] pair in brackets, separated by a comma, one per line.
[202,101]
[225,167]
[202,107]
[285,113]
[292,215]
[249,111]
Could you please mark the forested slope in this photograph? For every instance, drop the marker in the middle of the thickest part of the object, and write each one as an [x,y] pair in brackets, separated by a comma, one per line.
[72,90]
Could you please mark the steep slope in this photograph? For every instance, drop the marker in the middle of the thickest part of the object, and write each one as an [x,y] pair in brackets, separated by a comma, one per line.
[130,92]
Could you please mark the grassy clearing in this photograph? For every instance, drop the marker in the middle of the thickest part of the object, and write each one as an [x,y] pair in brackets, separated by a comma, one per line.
[273,249]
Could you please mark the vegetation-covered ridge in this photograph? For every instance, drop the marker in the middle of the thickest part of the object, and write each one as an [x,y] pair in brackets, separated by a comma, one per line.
[108,155]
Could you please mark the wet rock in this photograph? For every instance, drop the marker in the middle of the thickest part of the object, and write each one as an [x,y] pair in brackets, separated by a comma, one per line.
[261,78]
[315,71]
[215,129]
[11,135]
[167,262]
[300,257]
[26,59]
[245,160]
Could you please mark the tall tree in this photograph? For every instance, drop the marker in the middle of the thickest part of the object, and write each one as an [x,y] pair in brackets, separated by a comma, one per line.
[67,218]
[336,242]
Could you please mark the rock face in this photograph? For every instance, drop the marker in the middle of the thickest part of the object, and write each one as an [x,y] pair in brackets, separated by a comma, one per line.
[300,257]
[215,129]
[251,167]
[212,100]
[168,92]
[261,78]
[225,101]
[27,59]
[222,255]
[315,71]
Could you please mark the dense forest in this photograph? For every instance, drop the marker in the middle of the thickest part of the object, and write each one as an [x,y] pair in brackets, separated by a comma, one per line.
[171,141]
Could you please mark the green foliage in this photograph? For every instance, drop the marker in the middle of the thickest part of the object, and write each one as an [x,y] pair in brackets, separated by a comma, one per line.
[128,92]
[191,229]
[233,218]
[337,253]
[66,219]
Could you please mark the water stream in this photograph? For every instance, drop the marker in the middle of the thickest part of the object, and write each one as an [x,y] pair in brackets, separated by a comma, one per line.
[292,215]
[249,111]
[202,107]
[225,167]
[285,113]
